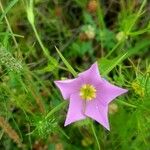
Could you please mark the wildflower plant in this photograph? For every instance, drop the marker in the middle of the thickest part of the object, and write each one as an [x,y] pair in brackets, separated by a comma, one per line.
[47,101]
[89,96]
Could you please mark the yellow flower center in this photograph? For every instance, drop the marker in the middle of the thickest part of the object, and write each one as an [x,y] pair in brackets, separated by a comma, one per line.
[87,92]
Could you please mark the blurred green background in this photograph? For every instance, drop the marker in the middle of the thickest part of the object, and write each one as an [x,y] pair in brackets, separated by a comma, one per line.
[115,33]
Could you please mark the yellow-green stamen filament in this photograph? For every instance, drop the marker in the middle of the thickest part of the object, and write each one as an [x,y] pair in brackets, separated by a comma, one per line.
[87,92]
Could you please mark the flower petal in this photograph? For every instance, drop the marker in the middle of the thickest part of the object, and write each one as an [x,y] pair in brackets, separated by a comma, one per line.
[90,75]
[98,113]
[75,111]
[68,87]
[107,92]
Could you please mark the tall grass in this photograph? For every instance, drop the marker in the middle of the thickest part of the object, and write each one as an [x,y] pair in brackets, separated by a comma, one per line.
[42,41]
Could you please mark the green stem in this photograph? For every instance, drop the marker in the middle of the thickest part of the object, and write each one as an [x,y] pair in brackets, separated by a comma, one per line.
[94,133]
[127,104]
[57,108]
[10,30]
[138,14]
[100,14]
[115,47]
[46,53]
[129,29]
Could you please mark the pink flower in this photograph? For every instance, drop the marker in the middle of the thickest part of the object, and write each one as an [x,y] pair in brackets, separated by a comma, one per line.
[89,95]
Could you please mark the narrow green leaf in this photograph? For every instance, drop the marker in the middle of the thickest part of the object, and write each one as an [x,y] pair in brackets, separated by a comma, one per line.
[138,47]
[11,4]
[107,65]
[70,68]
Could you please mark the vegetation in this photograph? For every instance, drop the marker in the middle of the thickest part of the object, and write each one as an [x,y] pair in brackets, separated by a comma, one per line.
[46,40]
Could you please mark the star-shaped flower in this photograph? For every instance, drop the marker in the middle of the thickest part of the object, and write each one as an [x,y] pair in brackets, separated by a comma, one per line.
[89,95]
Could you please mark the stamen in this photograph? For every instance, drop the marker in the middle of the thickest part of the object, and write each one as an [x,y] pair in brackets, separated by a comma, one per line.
[87,92]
